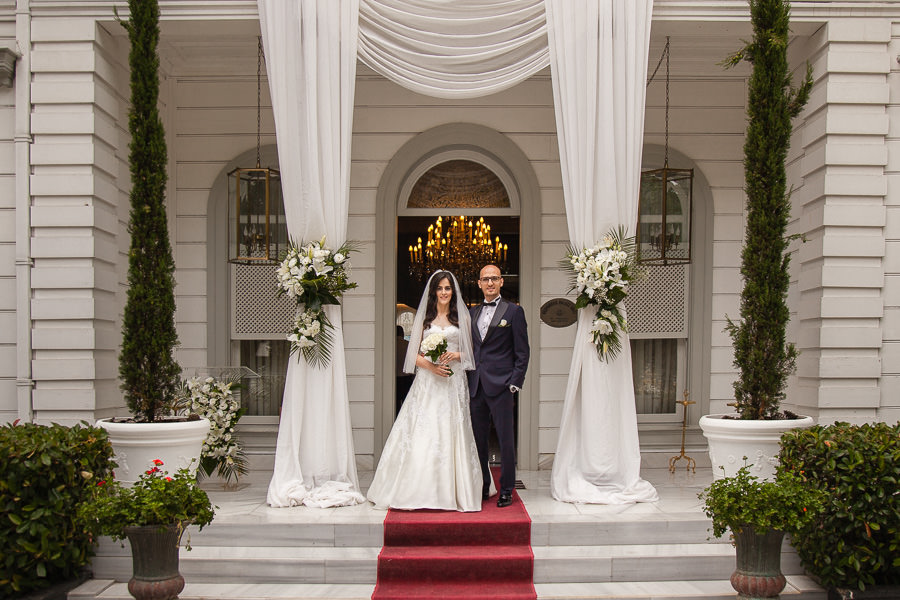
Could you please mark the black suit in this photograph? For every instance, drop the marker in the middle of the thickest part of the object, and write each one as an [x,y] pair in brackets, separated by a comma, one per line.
[501,360]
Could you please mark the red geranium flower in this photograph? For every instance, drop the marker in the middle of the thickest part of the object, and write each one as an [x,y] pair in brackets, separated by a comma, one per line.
[157,462]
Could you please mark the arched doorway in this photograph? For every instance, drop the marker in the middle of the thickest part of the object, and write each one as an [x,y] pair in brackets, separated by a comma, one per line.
[478,153]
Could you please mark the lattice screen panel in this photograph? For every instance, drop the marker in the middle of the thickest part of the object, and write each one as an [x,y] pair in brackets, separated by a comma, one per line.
[257,311]
[658,302]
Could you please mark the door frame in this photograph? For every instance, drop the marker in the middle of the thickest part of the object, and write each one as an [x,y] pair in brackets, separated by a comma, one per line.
[497,150]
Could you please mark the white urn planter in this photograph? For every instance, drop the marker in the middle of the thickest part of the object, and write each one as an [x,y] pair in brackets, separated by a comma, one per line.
[137,445]
[730,440]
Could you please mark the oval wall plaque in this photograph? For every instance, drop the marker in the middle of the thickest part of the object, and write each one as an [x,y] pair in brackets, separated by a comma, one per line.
[559,312]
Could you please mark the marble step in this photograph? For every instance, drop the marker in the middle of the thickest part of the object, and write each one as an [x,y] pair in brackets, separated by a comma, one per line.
[798,588]
[659,562]
[358,565]
[687,528]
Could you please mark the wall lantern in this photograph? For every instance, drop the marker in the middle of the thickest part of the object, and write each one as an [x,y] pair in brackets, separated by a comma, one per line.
[257,230]
[666,202]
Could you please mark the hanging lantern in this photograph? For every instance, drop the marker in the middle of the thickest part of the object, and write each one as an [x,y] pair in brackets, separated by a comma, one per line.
[257,227]
[666,203]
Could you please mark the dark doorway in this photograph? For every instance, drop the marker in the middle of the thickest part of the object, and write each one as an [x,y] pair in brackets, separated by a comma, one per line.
[409,289]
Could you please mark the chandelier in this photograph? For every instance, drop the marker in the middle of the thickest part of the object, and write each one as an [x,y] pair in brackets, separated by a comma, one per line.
[457,245]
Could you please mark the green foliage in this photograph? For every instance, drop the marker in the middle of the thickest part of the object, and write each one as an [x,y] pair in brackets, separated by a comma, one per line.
[47,472]
[855,541]
[154,499]
[147,367]
[785,504]
[761,353]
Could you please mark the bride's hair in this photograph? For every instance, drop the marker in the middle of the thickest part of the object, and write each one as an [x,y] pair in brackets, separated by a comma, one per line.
[431,307]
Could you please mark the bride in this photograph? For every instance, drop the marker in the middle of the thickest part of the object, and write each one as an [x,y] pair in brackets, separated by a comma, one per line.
[430,459]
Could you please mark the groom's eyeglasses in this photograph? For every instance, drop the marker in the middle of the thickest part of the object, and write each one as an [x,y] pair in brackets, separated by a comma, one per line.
[491,279]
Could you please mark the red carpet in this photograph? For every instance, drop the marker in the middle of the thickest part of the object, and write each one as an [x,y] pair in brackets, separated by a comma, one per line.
[442,554]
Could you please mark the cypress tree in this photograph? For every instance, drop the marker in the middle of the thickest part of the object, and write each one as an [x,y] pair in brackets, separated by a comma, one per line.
[147,367]
[761,353]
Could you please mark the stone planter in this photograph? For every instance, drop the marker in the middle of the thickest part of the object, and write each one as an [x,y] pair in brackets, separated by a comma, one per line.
[758,557]
[136,445]
[154,555]
[730,440]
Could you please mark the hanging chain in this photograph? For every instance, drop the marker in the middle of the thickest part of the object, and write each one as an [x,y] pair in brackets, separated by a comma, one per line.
[259,53]
[664,55]
[666,51]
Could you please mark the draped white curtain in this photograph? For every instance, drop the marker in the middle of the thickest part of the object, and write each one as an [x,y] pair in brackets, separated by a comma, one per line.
[311,63]
[598,59]
[454,48]
[458,49]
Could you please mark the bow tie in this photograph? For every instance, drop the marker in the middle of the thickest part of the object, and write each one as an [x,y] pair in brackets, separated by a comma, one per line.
[492,303]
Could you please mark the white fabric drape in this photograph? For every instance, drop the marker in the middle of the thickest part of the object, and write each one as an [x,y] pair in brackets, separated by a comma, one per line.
[310,51]
[598,60]
[454,48]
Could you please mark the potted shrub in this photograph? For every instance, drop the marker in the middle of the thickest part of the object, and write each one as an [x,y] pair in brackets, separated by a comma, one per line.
[152,514]
[762,356]
[853,546]
[759,513]
[149,374]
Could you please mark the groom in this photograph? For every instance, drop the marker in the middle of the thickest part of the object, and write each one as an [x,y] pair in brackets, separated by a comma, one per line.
[500,344]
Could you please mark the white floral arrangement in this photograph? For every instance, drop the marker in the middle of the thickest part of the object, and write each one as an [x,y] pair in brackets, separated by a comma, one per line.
[433,346]
[214,399]
[600,275]
[305,330]
[314,275]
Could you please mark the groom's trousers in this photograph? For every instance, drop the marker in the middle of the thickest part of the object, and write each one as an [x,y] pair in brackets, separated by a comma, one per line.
[501,409]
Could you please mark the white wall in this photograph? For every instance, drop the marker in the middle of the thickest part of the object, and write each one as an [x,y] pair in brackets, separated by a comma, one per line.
[214,121]
[889,411]
[843,286]
[76,218]
[8,327]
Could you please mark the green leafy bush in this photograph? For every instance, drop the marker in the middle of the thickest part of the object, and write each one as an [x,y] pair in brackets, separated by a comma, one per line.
[154,499]
[786,504]
[855,541]
[47,472]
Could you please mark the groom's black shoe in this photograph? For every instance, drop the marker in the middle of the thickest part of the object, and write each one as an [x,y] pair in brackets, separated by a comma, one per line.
[505,499]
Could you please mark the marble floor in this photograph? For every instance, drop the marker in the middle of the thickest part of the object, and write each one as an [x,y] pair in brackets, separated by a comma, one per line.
[677,501]
[677,498]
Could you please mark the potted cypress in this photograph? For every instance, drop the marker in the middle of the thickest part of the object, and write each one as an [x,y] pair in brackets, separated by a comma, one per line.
[147,367]
[762,355]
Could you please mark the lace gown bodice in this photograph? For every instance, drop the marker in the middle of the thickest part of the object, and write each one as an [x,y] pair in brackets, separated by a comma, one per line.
[430,459]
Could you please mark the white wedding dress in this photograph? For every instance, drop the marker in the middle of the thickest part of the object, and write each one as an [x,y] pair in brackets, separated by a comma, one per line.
[430,459]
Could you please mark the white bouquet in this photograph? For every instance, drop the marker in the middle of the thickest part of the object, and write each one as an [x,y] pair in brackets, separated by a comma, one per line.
[601,274]
[433,346]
